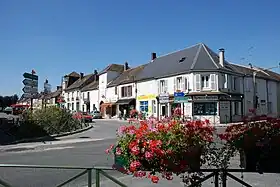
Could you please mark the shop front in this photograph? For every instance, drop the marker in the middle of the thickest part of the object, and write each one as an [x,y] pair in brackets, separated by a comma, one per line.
[217,107]
[125,106]
[147,104]
[107,110]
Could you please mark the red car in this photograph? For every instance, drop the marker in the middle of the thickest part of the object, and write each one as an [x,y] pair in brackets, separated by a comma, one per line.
[83,116]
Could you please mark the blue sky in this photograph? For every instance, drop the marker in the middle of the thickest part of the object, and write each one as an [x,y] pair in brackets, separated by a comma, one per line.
[55,37]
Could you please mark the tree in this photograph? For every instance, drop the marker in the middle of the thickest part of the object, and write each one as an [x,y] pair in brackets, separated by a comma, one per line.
[6,101]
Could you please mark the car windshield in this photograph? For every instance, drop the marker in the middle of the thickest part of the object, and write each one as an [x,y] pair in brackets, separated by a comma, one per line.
[96,112]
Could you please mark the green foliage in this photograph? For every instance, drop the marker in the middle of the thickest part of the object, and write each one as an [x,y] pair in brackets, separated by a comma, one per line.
[52,120]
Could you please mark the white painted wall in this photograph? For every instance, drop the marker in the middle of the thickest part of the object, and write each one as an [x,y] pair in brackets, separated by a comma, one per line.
[147,89]
[124,85]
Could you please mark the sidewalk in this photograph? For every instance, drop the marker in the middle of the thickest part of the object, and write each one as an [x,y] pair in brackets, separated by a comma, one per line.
[143,182]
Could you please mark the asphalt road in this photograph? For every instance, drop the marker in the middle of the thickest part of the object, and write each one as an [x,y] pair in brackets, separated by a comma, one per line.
[76,153]
[85,149]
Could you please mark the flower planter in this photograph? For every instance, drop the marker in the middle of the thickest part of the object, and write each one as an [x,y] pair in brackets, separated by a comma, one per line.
[261,159]
[119,163]
[192,160]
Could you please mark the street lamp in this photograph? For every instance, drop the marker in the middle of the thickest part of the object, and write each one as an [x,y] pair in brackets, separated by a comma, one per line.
[255,99]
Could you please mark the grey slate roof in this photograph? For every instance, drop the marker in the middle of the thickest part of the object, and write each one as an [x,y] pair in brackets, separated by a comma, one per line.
[198,57]
[127,76]
[195,58]
[91,86]
[81,82]
[73,74]
[113,67]
[54,94]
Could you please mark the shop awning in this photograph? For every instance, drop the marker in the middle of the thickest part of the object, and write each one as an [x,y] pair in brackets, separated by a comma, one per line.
[124,101]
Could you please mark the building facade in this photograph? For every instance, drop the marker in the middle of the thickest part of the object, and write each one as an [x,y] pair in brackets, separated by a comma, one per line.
[196,79]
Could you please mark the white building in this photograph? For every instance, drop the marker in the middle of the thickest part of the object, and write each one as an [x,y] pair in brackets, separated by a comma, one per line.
[107,104]
[213,88]
[123,90]
[72,93]
[90,97]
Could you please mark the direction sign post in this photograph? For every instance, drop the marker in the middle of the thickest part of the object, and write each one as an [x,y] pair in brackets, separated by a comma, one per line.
[30,86]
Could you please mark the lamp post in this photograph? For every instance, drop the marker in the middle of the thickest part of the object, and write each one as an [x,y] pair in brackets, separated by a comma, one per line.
[255,83]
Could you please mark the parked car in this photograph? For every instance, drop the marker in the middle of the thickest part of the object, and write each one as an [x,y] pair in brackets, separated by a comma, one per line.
[83,116]
[96,115]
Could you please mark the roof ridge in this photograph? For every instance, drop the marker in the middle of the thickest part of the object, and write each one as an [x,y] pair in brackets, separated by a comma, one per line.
[206,48]
[170,53]
[195,58]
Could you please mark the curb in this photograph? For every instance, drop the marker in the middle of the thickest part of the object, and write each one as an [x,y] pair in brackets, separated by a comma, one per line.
[53,136]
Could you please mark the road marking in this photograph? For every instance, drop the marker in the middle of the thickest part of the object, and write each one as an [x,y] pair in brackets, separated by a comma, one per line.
[39,145]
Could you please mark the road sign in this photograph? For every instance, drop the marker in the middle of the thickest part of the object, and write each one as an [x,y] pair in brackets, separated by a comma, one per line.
[31,90]
[30,76]
[179,94]
[181,99]
[164,98]
[27,95]
[29,82]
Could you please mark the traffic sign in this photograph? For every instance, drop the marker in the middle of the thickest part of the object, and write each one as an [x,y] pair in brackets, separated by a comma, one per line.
[27,95]
[31,90]
[164,98]
[181,99]
[179,94]
[29,82]
[30,76]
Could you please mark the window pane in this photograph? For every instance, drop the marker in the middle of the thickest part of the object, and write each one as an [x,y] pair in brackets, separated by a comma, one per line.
[146,108]
[205,108]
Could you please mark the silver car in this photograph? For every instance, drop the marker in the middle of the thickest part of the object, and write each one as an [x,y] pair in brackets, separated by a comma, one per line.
[96,115]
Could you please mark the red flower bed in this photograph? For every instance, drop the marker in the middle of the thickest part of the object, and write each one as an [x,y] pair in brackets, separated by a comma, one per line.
[167,147]
[258,140]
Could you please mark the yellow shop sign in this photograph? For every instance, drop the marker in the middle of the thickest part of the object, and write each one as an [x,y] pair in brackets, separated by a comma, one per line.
[146,97]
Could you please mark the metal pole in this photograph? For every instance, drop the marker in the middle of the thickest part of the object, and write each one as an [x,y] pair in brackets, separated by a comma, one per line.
[216,179]
[254,90]
[97,178]
[89,177]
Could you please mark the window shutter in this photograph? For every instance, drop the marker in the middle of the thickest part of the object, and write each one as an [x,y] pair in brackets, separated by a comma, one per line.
[158,83]
[186,84]
[166,86]
[197,82]
[213,81]
[175,84]
[183,84]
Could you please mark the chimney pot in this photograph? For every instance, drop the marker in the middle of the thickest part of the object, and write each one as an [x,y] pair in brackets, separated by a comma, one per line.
[153,56]
[222,56]
[82,75]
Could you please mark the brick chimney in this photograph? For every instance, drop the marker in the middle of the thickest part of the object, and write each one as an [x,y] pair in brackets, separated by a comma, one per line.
[222,56]
[153,56]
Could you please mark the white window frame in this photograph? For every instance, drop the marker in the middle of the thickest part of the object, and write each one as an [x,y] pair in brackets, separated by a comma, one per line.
[179,83]
[163,86]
